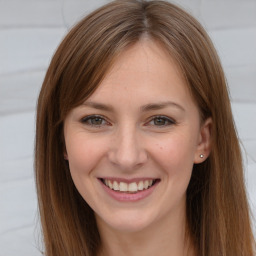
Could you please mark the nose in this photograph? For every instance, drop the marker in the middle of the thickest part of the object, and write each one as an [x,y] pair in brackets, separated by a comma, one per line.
[127,151]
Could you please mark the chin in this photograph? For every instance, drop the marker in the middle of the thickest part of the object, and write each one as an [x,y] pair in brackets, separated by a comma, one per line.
[128,222]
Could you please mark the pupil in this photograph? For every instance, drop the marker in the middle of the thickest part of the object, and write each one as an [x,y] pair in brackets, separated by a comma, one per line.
[97,120]
[159,121]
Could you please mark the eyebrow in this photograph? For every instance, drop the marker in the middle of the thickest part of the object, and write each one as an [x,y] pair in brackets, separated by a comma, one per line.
[145,108]
[99,106]
[161,105]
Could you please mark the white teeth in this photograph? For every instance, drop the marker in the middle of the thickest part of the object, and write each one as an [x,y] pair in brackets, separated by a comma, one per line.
[123,186]
[146,184]
[128,187]
[115,186]
[133,187]
[110,184]
[141,185]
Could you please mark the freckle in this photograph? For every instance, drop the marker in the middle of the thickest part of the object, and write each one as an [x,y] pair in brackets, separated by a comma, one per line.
[160,147]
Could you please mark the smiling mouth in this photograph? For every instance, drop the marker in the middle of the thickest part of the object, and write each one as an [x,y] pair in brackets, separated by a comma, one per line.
[131,188]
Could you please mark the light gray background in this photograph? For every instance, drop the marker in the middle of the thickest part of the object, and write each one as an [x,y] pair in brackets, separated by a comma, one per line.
[30,31]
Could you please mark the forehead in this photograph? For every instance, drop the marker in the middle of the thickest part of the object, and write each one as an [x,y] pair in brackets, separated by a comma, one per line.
[143,72]
[146,56]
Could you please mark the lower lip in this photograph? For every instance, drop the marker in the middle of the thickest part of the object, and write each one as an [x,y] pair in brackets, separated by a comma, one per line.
[129,197]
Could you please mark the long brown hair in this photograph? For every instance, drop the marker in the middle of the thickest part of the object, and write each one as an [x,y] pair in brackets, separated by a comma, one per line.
[217,208]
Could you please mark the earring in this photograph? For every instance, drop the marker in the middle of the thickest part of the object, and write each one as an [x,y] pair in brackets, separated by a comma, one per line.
[201,156]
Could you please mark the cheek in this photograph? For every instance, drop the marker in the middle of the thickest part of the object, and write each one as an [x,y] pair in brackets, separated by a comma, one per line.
[83,154]
[175,154]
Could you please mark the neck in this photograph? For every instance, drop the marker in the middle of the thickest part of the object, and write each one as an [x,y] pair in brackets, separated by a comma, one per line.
[163,238]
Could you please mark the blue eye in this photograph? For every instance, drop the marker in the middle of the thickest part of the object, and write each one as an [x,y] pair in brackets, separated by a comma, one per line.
[161,121]
[94,121]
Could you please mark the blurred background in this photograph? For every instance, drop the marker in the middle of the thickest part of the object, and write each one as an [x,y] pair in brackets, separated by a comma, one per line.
[30,31]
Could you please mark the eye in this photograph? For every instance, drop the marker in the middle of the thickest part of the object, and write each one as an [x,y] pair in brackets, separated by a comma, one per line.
[94,120]
[161,121]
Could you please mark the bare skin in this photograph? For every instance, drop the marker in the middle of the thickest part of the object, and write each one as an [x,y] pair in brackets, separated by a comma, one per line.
[161,241]
[141,124]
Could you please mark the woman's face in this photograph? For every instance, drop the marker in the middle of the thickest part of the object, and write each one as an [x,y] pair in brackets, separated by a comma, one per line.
[131,146]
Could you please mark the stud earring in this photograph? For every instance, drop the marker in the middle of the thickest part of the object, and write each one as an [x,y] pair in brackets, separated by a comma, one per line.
[201,156]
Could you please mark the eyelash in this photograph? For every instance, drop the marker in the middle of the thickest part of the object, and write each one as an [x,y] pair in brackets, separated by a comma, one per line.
[168,121]
[88,121]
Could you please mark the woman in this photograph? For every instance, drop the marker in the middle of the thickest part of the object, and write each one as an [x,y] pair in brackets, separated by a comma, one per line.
[133,156]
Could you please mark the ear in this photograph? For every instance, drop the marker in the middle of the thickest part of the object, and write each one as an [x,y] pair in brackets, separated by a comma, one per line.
[204,142]
[65,156]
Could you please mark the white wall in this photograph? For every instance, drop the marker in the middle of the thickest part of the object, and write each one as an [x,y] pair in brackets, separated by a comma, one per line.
[30,31]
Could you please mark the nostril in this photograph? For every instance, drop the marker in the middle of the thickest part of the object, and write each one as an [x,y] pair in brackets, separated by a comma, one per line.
[128,160]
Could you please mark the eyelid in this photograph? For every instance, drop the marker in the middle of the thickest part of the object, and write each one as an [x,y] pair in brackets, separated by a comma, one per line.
[171,121]
[86,118]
